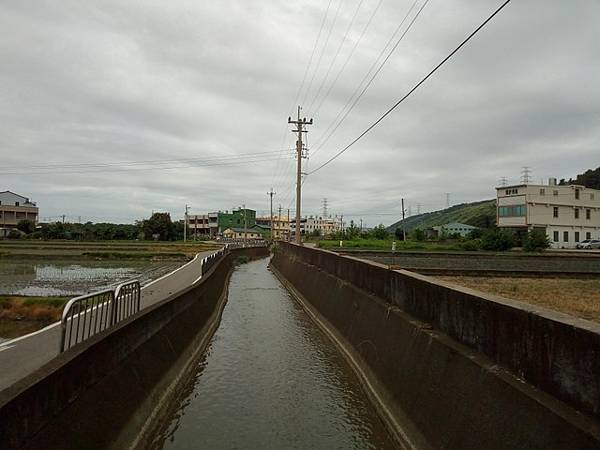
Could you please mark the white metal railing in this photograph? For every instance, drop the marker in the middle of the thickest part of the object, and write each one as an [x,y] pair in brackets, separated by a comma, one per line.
[89,314]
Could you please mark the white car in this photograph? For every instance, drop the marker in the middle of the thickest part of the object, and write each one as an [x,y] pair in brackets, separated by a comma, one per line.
[589,244]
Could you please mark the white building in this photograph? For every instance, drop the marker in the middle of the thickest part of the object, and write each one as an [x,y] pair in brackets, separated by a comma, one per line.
[203,225]
[13,209]
[454,228]
[326,226]
[568,214]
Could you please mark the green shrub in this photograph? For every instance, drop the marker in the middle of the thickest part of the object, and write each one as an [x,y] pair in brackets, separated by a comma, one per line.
[536,240]
[497,240]
[471,246]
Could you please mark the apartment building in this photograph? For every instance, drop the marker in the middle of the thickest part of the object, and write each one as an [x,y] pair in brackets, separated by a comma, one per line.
[281,226]
[568,214]
[14,208]
[203,225]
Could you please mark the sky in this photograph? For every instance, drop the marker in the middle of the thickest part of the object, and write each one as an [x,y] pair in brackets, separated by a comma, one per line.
[110,110]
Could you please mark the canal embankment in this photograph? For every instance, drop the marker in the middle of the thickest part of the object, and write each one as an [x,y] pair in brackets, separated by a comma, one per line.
[454,367]
[113,384]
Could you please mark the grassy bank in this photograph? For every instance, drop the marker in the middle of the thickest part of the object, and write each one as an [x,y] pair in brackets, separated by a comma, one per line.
[22,315]
[119,250]
[386,244]
[578,297]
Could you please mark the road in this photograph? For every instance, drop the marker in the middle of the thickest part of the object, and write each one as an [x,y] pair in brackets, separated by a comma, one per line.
[21,356]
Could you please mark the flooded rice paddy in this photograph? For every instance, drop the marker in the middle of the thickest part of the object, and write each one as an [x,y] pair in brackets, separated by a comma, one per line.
[73,277]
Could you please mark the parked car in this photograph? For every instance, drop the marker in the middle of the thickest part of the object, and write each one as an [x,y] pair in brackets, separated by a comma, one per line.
[589,244]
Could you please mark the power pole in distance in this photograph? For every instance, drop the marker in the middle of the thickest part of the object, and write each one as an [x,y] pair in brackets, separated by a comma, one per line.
[185,221]
[403,224]
[289,227]
[447,199]
[271,194]
[300,123]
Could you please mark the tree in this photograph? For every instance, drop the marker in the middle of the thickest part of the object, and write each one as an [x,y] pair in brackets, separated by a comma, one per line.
[497,240]
[160,225]
[536,240]
[26,226]
[379,232]
[418,235]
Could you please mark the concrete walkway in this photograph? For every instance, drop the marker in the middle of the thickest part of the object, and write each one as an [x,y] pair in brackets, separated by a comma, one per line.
[21,356]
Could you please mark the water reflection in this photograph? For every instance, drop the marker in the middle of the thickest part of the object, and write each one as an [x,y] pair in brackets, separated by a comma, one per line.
[271,380]
[25,277]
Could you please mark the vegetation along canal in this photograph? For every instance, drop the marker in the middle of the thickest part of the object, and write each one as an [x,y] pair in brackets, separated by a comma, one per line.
[270,379]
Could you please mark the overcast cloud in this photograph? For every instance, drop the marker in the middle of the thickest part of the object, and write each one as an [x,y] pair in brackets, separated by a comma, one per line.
[110,81]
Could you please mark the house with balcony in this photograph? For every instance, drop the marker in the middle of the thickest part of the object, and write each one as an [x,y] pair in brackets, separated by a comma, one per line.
[568,214]
[13,209]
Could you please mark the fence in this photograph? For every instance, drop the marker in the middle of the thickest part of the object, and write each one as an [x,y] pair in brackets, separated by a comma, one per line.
[92,313]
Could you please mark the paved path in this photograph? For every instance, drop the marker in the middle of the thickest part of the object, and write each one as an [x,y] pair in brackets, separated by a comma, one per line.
[21,356]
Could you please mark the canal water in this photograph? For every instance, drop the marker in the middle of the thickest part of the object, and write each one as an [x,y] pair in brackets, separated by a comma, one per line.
[271,380]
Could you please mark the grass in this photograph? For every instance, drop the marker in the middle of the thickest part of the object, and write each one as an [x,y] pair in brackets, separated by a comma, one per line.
[135,255]
[578,297]
[386,244]
[22,315]
[118,250]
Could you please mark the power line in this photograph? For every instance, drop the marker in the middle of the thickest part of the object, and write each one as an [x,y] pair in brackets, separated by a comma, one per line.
[374,124]
[322,51]
[349,105]
[356,44]
[334,59]
[137,169]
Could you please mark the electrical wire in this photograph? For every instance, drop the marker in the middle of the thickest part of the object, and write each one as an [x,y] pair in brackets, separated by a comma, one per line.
[381,65]
[423,80]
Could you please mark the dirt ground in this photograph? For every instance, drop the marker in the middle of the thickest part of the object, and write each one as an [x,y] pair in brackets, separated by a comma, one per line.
[22,315]
[578,297]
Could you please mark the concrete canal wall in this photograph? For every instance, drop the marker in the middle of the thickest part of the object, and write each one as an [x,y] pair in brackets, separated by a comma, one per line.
[451,367]
[107,391]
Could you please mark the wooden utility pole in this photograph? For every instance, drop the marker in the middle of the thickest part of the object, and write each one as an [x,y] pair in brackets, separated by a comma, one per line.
[271,194]
[289,227]
[300,123]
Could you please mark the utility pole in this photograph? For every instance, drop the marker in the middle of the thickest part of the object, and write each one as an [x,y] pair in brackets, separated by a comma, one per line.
[185,221]
[289,234]
[300,123]
[403,224]
[63,218]
[419,209]
[361,224]
[245,224]
[447,199]
[342,222]
[271,194]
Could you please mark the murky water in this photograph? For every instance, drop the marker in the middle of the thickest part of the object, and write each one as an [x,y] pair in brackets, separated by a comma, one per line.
[56,277]
[271,380]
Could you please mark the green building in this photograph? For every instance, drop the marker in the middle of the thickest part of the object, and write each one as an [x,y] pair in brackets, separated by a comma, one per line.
[240,218]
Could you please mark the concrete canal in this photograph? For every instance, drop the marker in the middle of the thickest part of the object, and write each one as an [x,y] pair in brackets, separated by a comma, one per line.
[270,379]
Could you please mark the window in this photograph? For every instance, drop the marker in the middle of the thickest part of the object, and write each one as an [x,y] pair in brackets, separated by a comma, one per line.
[16,203]
[591,196]
[588,214]
[555,236]
[511,191]
[577,236]
[555,193]
[576,210]
[576,194]
[542,191]
[588,234]
[512,211]
[555,211]
[565,236]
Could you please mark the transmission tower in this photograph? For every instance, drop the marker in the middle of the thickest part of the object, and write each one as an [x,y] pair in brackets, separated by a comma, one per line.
[525,175]
[503,181]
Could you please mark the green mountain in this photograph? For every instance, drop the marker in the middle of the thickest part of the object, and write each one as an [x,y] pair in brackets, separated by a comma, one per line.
[589,179]
[478,214]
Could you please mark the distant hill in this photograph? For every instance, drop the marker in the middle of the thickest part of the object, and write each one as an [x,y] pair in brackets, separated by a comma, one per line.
[478,214]
[589,179]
